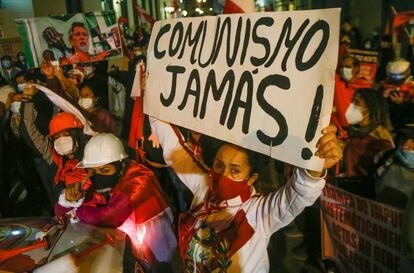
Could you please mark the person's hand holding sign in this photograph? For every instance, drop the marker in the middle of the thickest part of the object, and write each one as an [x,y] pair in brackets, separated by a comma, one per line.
[47,69]
[328,149]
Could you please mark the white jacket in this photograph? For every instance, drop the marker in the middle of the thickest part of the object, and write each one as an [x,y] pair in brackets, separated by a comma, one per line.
[265,214]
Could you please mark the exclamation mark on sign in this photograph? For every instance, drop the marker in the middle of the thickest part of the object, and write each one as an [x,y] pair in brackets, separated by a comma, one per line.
[313,122]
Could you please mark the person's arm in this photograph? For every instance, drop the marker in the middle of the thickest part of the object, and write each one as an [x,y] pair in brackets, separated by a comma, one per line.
[31,134]
[112,214]
[70,89]
[97,210]
[177,157]
[278,209]
[108,122]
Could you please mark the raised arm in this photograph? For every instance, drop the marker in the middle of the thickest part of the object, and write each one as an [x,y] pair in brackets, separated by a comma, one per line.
[177,157]
[30,132]
[278,209]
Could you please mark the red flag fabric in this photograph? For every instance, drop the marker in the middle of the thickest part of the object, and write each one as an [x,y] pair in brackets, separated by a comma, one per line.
[137,121]
[402,17]
[137,124]
[238,6]
[143,14]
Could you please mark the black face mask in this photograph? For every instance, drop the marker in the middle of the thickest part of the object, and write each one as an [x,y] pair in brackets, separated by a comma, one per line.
[100,182]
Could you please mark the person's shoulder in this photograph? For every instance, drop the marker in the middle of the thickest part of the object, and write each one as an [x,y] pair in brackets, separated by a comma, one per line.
[102,112]
[137,170]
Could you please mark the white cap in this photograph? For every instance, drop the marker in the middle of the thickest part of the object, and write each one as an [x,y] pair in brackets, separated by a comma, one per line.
[102,149]
[398,67]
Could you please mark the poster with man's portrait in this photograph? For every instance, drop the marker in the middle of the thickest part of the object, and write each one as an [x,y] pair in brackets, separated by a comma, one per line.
[70,39]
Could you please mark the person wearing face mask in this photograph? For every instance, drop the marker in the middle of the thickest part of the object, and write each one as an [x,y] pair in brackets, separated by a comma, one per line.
[229,224]
[398,89]
[21,62]
[22,161]
[368,136]
[395,175]
[8,70]
[124,195]
[346,82]
[100,81]
[42,105]
[61,149]
[100,118]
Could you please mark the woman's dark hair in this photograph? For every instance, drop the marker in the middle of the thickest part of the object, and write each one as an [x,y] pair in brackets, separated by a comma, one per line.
[80,139]
[92,86]
[210,146]
[376,104]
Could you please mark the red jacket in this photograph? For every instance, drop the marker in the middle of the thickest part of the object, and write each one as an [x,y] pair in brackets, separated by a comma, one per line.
[136,196]
[343,95]
[406,88]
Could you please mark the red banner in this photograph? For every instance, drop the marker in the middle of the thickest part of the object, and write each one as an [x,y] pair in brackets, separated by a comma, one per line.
[368,63]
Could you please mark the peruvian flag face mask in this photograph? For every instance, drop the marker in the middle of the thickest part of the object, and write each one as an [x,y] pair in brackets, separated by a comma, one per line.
[224,188]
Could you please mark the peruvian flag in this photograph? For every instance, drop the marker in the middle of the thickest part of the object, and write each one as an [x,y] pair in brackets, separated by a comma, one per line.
[238,6]
[143,14]
[137,121]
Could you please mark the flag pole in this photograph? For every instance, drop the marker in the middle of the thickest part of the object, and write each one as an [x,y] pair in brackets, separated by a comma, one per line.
[394,12]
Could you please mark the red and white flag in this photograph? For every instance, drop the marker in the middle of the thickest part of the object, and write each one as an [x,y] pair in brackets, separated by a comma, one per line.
[143,14]
[238,6]
[137,121]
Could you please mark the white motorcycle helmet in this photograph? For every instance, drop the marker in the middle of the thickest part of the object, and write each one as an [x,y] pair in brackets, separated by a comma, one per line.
[398,71]
[102,149]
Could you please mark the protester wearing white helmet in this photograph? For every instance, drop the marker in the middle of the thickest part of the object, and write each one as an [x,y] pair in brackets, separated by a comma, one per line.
[126,195]
[398,88]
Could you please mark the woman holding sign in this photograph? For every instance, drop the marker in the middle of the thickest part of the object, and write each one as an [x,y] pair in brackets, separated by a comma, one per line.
[229,225]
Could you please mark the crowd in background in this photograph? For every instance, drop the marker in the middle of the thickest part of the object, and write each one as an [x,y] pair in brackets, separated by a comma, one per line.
[375,121]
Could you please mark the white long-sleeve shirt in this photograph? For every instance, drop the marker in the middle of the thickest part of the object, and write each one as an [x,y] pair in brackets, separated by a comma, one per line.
[261,215]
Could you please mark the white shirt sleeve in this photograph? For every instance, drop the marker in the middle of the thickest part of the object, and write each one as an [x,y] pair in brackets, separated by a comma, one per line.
[177,158]
[271,212]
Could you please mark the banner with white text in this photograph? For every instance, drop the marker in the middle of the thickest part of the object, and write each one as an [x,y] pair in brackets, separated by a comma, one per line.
[361,235]
[263,81]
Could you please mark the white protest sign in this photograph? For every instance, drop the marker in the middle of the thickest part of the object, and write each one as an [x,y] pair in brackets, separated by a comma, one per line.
[263,81]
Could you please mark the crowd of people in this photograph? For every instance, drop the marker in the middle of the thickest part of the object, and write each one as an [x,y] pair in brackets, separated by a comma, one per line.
[197,203]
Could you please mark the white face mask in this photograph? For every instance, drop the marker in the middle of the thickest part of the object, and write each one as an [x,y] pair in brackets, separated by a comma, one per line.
[353,114]
[346,74]
[64,145]
[85,103]
[20,87]
[15,107]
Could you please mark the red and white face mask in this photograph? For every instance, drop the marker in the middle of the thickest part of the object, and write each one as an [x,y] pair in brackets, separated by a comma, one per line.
[224,188]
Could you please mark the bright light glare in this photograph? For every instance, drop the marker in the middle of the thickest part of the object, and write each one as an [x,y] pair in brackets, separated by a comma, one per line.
[16,232]
[141,230]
